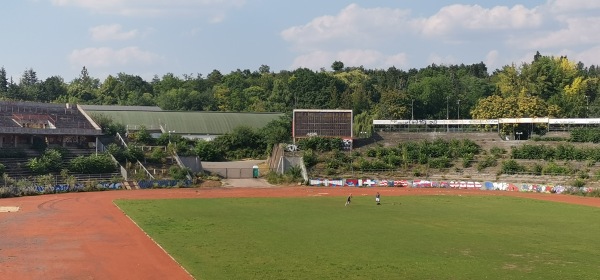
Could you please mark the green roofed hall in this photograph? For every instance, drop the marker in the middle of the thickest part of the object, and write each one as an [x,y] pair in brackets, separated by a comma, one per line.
[187,124]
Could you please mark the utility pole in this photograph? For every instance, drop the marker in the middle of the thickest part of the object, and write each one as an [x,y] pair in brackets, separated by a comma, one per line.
[447,114]
[587,109]
[412,109]
[458,111]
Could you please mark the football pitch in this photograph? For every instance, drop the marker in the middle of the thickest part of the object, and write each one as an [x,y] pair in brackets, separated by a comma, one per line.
[407,237]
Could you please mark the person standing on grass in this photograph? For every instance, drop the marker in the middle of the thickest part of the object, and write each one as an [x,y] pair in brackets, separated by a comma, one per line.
[348,200]
[378,198]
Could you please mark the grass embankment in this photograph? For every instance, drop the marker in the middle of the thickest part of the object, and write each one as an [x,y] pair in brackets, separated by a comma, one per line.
[429,237]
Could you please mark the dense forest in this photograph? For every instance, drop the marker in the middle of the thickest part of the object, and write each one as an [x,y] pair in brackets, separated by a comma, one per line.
[547,86]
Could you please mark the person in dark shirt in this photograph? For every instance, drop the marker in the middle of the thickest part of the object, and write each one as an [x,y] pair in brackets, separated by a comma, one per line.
[348,200]
[378,198]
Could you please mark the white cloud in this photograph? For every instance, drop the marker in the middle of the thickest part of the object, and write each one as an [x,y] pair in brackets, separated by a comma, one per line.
[107,57]
[439,60]
[354,24]
[588,57]
[313,60]
[156,7]
[452,18]
[352,58]
[561,6]
[398,60]
[111,32]
[491,58]
[578,31]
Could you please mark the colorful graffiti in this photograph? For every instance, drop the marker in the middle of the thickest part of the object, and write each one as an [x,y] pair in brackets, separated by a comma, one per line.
[163,184]
[417,183]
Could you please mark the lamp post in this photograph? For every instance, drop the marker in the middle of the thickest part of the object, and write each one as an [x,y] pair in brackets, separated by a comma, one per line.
[458,111]
[170,131]
[412,109]
[587,109]
[447,113]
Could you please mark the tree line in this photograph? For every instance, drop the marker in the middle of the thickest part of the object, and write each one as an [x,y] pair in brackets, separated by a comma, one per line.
[546,86]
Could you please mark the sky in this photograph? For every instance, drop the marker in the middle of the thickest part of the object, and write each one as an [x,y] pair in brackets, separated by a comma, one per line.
[190,37]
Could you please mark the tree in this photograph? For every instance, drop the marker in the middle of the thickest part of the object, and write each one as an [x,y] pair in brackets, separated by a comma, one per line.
[3,81]
[30,86]
[264,69]
[84,88]
[337,66]
[52,88]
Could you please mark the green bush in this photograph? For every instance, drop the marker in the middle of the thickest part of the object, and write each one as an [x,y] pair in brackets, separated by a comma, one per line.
[178,173]
[100,163]
[511,167]
[497,152]
[488,161]
[208,151]
[554,169]
[467,160]
[585,135]
[158,155]
[310,158]
[320,144]
[49,161]
[579,183]
[533,152]
[442,162]
[537,169]
[2,168]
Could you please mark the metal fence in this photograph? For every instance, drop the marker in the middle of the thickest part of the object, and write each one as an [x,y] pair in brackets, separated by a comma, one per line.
[231,173]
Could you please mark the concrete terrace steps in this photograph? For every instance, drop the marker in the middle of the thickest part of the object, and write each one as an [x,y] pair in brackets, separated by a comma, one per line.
[131,185]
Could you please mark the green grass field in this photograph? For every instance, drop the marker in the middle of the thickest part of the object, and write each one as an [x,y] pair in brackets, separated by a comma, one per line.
[416,237]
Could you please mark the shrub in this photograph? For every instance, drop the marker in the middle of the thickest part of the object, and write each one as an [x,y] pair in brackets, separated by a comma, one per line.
[178,173]
[294,172]
[100,163]
[2,168]
[488,161]
[134,153]
[371,152]
[537,169]
[579,183]
[511,167]
[442,162]
[320,144]
[467,160]
[497,152]
[310,158]
[157,155]
[554,169]
[208,151]
[50,161]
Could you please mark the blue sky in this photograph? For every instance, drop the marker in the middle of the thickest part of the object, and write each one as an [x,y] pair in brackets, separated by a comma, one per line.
[155,37]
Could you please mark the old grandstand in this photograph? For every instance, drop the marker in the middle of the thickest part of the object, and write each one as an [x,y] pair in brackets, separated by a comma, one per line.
[26,128]
[188,124]
[520,128]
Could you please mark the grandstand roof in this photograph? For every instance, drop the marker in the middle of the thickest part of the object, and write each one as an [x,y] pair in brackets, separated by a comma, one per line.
[119,108]
[189,123]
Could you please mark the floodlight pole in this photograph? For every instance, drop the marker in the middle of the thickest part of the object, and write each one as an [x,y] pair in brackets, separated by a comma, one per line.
[412,109]
[447,114]
[587,109]
[458,111]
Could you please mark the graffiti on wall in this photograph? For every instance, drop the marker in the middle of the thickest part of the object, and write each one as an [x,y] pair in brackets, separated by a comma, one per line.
[472,185]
